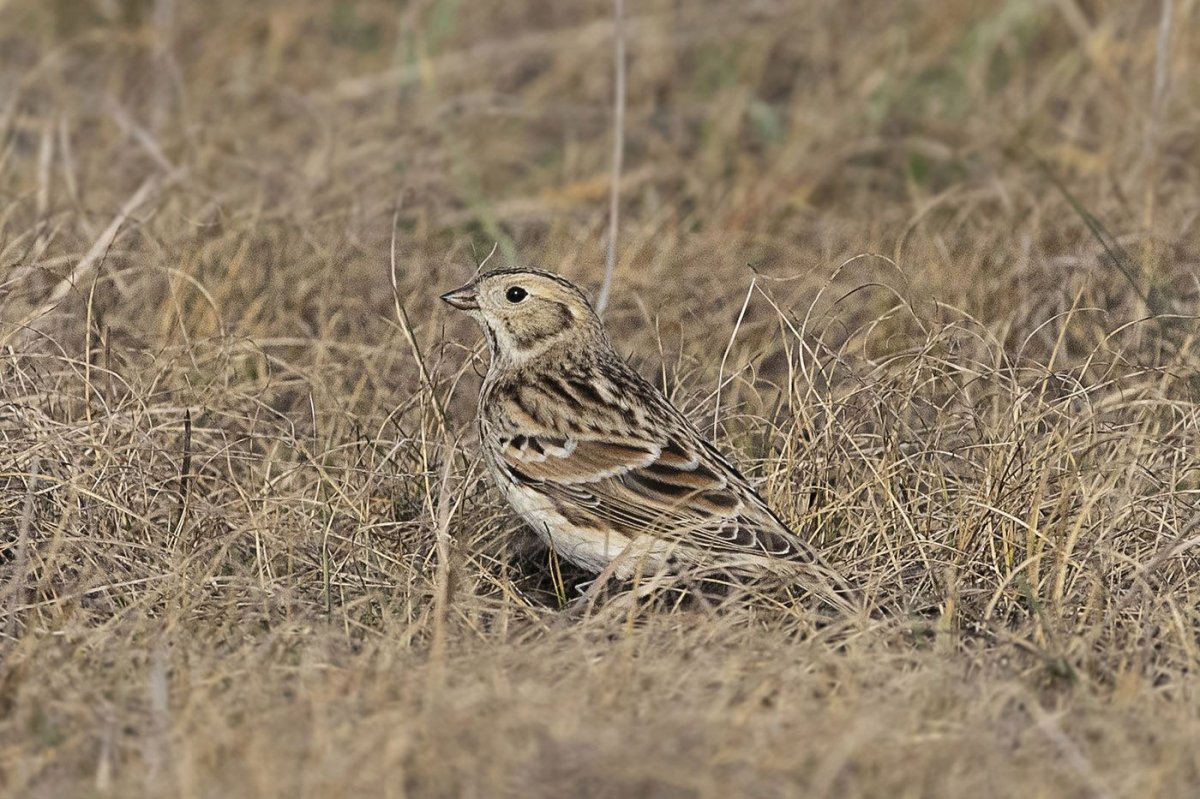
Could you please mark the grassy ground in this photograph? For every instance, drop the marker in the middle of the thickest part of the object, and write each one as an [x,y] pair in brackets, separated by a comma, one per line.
[934,264]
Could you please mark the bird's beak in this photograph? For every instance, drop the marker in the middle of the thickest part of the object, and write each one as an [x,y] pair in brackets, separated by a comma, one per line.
[464,299]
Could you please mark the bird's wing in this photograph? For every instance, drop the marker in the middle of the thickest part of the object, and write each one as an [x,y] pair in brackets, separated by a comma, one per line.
[659,478]
[633,464]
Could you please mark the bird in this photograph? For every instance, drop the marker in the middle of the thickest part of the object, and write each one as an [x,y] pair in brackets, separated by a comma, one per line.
[598,462]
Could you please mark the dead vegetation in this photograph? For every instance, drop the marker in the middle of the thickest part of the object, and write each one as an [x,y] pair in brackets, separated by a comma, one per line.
[247,545]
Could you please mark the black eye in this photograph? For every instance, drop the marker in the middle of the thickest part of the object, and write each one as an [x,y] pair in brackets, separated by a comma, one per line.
[515,294]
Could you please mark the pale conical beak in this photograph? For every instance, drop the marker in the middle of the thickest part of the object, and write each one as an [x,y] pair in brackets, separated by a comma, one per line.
[464,299]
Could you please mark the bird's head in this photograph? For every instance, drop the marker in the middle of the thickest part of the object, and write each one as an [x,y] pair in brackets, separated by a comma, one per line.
[526,312]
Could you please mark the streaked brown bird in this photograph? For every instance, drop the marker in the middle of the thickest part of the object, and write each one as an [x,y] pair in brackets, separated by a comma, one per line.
[598,462]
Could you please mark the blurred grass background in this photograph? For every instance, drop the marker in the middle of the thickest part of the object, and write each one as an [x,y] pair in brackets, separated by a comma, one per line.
[934,260]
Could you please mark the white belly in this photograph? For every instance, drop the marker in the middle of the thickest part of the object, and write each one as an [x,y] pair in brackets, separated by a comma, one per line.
[587,548]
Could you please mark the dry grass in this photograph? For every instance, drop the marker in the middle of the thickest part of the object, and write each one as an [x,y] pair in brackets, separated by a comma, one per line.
[247,546]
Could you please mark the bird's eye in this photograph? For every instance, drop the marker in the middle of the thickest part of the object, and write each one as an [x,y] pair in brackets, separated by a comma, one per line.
[515,294]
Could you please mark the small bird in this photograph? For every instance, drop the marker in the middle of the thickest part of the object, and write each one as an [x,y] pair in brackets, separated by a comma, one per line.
[598,461]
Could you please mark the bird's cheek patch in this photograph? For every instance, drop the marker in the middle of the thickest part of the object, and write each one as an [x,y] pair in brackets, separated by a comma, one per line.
[528,331]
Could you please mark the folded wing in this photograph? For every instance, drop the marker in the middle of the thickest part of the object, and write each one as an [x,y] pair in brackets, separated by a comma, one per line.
[678,488]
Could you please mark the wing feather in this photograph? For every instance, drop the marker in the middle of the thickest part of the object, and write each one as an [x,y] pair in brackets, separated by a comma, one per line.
[657,487]
[640,470]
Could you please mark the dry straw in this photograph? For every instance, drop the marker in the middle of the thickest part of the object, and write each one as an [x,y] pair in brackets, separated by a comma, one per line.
[245,549]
